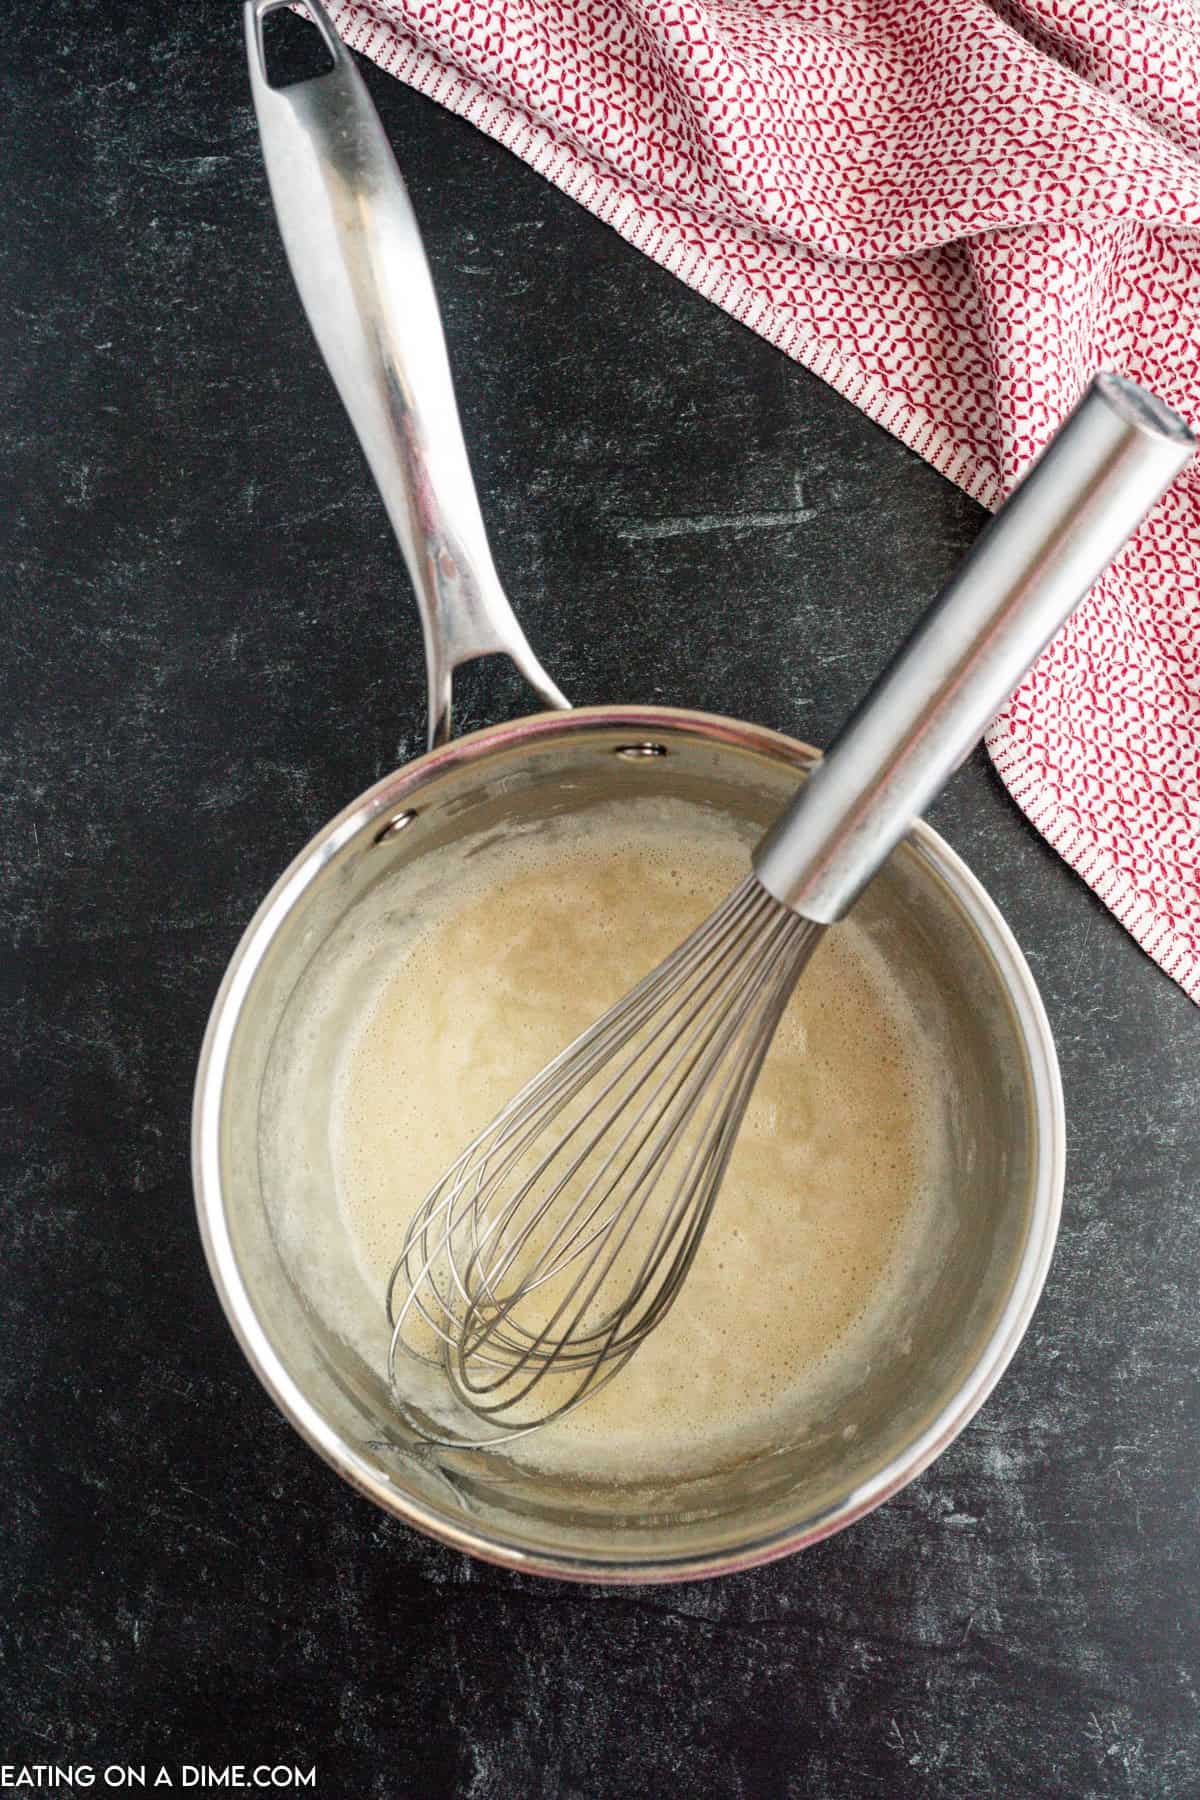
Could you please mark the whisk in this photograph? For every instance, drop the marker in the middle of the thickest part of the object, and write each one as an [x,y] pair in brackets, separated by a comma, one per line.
[647,1102]
[561,1237]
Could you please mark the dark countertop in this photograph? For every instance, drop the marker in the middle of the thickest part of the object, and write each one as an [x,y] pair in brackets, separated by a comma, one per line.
[209,646]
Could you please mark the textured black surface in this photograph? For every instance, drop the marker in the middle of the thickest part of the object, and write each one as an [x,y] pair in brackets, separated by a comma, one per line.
[208,647]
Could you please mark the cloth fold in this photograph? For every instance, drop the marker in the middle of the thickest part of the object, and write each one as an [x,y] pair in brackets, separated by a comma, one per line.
[955,214]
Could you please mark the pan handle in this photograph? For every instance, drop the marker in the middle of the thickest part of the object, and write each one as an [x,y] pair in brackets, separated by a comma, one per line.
[356,255]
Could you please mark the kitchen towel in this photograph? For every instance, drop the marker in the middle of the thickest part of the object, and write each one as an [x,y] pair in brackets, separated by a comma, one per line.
[955,212]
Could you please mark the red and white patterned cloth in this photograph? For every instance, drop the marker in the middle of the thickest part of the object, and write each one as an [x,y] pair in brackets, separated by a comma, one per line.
[955,212]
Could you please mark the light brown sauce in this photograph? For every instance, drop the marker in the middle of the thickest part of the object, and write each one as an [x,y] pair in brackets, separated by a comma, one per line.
[826,1189]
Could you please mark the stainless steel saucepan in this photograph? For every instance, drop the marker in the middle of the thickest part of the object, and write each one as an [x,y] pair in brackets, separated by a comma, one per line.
[357,258]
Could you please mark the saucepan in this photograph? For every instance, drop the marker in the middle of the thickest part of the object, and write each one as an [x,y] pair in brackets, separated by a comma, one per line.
[356,254]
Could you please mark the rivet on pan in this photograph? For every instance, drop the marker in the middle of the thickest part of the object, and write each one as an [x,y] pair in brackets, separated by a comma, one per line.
[394,827]
[633,752]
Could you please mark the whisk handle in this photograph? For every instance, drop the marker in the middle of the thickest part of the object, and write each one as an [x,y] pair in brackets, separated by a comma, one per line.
[1055,535]
[356,254]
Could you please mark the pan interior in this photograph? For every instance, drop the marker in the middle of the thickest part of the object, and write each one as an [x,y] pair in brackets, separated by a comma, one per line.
[304,1281]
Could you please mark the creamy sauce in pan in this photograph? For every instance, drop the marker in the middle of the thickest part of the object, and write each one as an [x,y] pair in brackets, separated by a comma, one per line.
[824,1202]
